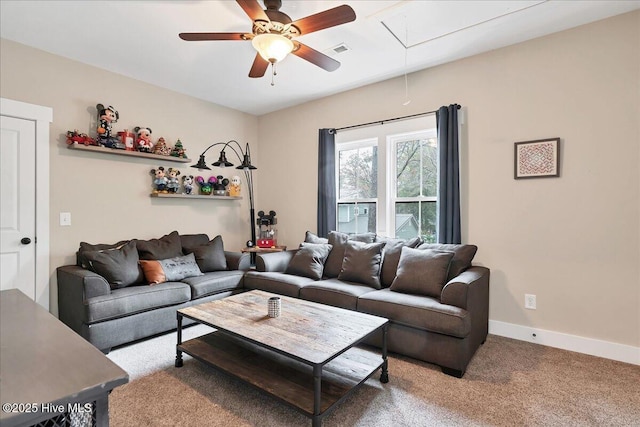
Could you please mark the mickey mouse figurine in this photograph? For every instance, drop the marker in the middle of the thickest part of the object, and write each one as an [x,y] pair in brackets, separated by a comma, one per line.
[143,141]
[107,116]
[173,183]
[160,180]
[206,187]
[187,183]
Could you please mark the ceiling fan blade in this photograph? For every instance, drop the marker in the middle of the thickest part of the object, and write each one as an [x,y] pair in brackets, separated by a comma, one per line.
[329,18]
[191,37]
[318,58]
[253,9]
[259,66]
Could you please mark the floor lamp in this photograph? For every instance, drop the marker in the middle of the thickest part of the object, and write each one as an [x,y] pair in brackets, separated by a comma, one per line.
[246,166]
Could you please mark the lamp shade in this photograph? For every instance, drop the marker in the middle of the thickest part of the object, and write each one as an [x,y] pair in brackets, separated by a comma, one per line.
[272,47]
[246,164]
[202,164]
[222,161]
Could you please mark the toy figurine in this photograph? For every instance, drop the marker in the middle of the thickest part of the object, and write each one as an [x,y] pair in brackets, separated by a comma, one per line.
[234,186]
[143,140]
[187,184]
[178,150]
[220,187]
[206,187]
[81,138]
[160,180]
[161,148]
[173,183]
[106,117]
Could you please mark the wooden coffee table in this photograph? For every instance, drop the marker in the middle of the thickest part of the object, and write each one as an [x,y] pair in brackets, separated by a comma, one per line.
[305,358]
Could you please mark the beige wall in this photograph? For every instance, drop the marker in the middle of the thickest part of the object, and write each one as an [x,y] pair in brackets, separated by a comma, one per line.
[573,241]
[107,195]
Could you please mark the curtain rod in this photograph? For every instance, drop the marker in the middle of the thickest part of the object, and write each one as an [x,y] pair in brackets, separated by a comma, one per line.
[381,122]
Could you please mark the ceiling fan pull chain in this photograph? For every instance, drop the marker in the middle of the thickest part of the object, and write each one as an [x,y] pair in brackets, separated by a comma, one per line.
[273,73]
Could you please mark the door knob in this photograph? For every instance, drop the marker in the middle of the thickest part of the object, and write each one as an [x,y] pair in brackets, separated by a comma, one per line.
[25,241]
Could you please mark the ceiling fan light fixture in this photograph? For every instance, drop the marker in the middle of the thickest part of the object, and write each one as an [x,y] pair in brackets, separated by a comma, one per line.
[272,47]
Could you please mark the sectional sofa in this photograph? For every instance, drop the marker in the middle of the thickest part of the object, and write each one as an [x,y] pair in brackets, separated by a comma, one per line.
[436,300]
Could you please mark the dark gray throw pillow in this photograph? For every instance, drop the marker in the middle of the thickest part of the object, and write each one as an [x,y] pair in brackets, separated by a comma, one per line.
[309,237]
[462,256]
[422,272]
[361,263]
[88,247]
[337,240]
[210,257]
[118,266]
[190,241]
[391,257]
[308,261]
[168,246]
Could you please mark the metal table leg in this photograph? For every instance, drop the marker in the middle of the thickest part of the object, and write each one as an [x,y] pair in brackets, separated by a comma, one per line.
[178,352]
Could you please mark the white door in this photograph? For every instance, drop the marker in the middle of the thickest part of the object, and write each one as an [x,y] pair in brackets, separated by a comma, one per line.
[17,205]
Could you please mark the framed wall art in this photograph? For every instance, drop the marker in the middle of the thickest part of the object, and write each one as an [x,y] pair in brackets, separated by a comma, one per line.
[537,159]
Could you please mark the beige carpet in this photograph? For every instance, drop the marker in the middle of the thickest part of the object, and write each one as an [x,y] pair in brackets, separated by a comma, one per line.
[508,383]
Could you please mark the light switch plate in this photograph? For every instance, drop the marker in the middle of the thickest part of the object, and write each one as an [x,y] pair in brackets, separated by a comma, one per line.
[65,219]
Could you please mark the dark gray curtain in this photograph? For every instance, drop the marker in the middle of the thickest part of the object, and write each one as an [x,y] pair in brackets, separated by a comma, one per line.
[449,180]
[326,181]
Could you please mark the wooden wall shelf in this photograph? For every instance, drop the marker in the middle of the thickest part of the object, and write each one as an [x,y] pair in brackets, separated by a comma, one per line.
[192,196]
[105,150]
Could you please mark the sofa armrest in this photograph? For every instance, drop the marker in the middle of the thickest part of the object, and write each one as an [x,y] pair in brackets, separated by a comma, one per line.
[75,286]
[470,288]
[274,261]
[238,260]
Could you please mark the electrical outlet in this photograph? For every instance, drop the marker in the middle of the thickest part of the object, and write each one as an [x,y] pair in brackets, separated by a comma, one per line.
[530,301]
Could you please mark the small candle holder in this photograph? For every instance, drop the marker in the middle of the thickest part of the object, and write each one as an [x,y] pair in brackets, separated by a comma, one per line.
[275,306]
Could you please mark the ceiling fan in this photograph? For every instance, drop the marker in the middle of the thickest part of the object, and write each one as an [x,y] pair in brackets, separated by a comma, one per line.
[273,34]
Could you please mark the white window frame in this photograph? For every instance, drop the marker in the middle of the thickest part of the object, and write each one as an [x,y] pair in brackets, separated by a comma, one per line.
[349,139]
[353,145]
[392,143]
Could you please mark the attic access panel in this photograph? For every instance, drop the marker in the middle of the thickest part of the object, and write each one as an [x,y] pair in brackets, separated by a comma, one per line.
[416,22]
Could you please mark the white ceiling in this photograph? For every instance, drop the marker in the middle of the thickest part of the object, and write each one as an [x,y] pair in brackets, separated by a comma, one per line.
[139,39]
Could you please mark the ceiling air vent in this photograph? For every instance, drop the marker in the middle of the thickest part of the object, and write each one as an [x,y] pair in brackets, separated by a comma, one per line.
[341,48]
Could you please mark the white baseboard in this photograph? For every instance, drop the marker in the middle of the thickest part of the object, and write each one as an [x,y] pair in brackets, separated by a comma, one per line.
[606,349]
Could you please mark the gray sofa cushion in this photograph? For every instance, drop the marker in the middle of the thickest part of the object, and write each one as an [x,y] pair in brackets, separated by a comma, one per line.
[361,263]
[391,256]
[308,261]
[337,240]
[335,292]
[463,255]
[422,271]
[276,282]
[417,311]
[168,246]
[214,282]
[135,299]
[210,256]
[119,266]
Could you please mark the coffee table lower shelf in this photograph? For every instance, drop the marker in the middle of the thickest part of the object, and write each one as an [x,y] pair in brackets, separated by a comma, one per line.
[284,378]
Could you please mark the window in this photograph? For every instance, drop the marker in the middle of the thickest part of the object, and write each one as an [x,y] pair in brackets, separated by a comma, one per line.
[387,179]
[357,187]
